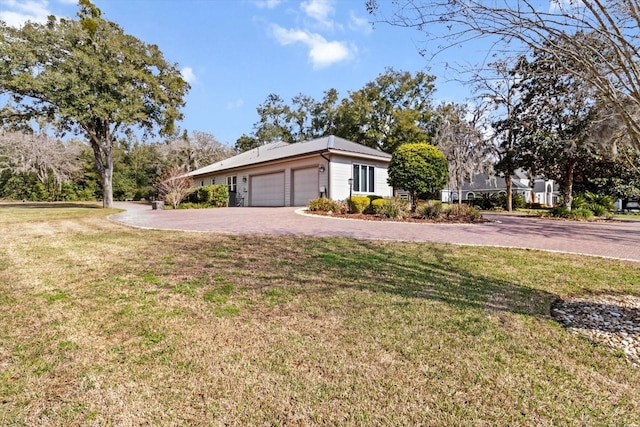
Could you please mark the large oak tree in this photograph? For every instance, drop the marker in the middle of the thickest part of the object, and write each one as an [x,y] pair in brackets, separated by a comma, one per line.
[87,77]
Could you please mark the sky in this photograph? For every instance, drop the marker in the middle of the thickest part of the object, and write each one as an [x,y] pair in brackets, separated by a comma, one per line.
[234,53]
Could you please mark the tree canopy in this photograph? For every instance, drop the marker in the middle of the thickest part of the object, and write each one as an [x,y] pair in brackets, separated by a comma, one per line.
[88,77]
[389,111]
[418,168]
[605,56]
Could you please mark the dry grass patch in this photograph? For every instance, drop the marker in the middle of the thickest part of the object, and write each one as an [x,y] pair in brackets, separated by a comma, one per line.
[104,325]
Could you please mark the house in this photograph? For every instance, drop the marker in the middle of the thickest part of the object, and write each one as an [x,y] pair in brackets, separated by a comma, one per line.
[538,190]
[283,174]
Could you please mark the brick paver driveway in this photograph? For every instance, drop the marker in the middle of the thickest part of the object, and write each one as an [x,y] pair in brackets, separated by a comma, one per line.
[610,239]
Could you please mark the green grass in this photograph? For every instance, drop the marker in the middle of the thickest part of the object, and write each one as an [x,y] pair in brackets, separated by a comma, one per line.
[101,324]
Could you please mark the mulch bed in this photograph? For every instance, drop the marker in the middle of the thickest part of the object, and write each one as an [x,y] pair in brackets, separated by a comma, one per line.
[416,219]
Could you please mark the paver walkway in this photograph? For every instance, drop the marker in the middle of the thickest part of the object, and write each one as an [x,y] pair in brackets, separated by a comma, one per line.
[610,239]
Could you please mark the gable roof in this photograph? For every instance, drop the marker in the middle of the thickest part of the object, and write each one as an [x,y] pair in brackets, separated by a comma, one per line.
[280,150]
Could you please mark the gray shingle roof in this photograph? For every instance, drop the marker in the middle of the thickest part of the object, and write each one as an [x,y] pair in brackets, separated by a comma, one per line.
[282,150]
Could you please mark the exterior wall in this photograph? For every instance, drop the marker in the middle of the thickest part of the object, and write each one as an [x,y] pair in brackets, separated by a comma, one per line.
[332,178]
[342,170]
[244,176]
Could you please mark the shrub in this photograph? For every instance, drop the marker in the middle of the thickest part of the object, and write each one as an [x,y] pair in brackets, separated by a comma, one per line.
[598,204]
[560,212]
[376,205]
[431,209]
[582,213]
[394,208]
[216,195]
[357,204]
[371,208]
[463,212]
[599,210]
[578,202]
[146,193]
[325,205]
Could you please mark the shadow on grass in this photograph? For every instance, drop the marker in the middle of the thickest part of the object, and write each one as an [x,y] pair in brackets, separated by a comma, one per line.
[434,272]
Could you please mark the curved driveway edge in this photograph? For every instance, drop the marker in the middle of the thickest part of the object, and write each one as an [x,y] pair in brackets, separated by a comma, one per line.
[620,240]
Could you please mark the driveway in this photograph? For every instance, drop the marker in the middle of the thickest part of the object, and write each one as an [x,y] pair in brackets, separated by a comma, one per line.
[609,239]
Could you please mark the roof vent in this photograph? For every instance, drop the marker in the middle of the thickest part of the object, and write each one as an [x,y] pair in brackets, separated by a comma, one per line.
[330,142]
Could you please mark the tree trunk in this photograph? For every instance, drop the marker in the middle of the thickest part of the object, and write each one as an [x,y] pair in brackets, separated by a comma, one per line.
[107,187]
[567,184]
[459,196]
[104,164]
[509,184]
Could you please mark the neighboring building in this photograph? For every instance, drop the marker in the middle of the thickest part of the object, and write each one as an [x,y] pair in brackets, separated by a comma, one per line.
[283,174]
[543,191]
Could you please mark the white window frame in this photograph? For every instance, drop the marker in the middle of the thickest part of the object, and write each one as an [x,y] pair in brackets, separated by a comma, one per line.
[232,183]
[366,171]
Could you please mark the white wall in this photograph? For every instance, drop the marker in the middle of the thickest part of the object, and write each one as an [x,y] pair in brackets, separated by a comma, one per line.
[342,170]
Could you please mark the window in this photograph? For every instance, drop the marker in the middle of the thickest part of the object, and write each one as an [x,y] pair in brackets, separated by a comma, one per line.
[470,196]
[232,183]
[363,178]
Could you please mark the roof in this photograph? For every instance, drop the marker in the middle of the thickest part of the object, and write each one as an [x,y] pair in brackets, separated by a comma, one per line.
[282,150]
[483,182]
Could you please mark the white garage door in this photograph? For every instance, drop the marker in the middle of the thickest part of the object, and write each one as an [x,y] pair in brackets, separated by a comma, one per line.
[305,186]
[267,190]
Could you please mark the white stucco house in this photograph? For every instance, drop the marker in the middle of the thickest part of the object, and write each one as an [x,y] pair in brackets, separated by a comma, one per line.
[284,174]
[538,190]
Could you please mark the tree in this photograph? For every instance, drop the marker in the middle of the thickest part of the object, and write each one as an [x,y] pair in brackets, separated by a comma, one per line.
[558,112]
[606,57]
[53,161]
[88,77]
[393,109]
[196,150]
[499,89]
[275,118]
[463,143]
[246,143]
[174,185]
[419,169]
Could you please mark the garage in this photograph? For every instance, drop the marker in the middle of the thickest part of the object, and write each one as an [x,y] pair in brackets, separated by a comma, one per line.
[267,190]
[305,186]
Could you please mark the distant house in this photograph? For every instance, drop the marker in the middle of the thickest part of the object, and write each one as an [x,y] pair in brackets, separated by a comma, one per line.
[283,174]
[543,191]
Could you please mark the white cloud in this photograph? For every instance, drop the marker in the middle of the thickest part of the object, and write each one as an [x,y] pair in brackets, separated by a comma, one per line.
[188,75]
[16,13]
[267,4]
[320,10]
[359,24]
[235,104]
[322,52]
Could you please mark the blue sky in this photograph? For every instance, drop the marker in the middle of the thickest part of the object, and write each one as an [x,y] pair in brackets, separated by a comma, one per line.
[236,52]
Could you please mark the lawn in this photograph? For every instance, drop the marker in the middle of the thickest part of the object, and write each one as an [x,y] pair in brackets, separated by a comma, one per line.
[101,324]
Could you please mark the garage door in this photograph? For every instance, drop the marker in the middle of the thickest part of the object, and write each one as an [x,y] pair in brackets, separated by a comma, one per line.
[305,186]
[267,190]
